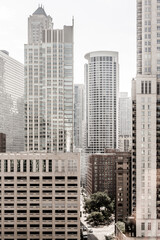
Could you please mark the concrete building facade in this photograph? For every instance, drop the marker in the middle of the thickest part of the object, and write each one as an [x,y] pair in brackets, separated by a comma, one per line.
[125,114]
[125,143]
[12,102]
[123,186]
[146,108]
[102,90]
[79,116]
[48,85]
[40,196]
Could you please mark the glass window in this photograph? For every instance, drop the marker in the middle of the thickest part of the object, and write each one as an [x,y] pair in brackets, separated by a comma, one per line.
[11,166]
[44,165]
[24,165]
[50,165]
[5,165]
[142,226]
[31,165]
[18,165]
[37,165]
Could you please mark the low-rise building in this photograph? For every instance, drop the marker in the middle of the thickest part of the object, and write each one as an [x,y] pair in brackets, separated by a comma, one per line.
[40,196]
[101,173]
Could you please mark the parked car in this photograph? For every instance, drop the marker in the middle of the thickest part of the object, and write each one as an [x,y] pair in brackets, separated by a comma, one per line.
[90,230]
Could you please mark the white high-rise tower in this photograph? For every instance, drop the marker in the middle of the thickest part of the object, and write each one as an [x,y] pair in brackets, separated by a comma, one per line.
[48,85]
[102,89]
[146,121]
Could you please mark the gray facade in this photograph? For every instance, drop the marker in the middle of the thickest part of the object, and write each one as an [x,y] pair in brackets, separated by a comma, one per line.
[79,117]
[12,102]
[48,85]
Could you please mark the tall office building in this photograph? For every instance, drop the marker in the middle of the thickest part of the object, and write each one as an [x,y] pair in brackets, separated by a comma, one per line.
[102,89]
[40,196]
[125,120]
[48,85]
[12,102]
[125,108]
[79,119]
[146,121]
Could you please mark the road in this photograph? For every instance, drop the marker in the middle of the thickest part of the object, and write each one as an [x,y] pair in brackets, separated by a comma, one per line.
[92,237]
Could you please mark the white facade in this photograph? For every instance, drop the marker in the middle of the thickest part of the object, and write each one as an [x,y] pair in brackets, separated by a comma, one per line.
[125,143]
[48,85]
[40,195]
[146,99]
[12,102]
[125,116]
[102,91]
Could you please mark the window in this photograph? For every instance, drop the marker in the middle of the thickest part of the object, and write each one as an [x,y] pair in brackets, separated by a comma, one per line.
[31,165]
[5,165]
[159,226]
[24,165]
[44,165]
[142,226]
[149,226]
[37,165]
[50,165]
[11,166]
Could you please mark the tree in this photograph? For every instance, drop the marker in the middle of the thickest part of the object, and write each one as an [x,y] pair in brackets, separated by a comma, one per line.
[96,218]
[121,226]
[100,203]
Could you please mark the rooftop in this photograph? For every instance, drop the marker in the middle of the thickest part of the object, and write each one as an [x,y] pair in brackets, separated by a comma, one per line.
[40,11]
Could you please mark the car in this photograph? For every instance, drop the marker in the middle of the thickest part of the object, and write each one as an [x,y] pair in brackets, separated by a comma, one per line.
[91,230]
[84,228]
[89,226]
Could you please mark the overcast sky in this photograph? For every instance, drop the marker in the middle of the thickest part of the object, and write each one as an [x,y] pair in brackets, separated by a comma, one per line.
[99,25]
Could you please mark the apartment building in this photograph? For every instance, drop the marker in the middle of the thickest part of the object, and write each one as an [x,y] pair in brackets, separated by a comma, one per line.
[146,109]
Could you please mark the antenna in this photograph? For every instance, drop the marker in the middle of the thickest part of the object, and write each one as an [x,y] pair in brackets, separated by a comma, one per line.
[72,20]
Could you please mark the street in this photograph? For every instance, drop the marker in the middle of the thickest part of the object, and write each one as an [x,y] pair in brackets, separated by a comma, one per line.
[92,237]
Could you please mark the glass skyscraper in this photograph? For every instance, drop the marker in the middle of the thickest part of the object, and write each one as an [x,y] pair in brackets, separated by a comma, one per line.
[12,102]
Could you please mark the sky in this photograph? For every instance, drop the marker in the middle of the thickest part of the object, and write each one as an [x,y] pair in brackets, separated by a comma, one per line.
[108,25]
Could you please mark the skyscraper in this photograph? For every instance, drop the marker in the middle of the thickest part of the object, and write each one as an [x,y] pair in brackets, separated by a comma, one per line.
[12,102]
[146,121]
[125,114]
[125,120]
[102,88]
[78,115]
[48,85]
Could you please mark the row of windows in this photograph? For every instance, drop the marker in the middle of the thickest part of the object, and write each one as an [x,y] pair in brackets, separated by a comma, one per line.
[34,165]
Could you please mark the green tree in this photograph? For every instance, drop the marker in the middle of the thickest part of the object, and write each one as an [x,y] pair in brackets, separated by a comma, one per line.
[96,218]
[121,226]
[101,203]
